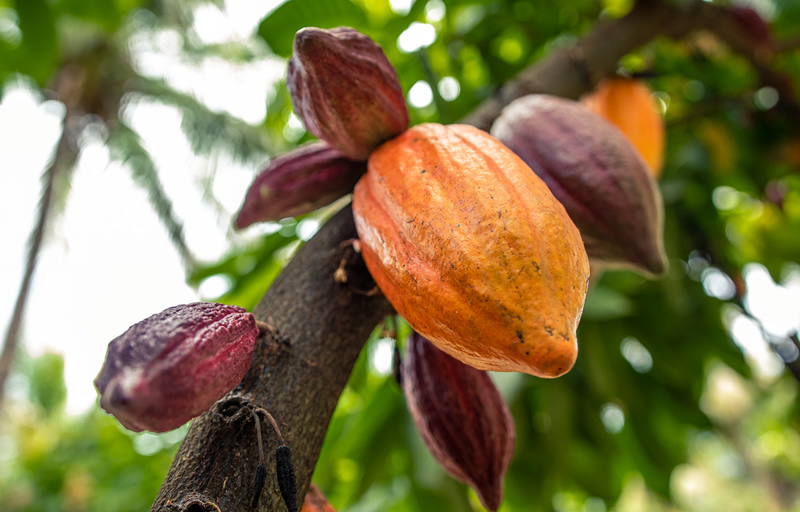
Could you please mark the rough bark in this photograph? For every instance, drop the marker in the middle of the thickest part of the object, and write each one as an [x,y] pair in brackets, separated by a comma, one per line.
[321,326]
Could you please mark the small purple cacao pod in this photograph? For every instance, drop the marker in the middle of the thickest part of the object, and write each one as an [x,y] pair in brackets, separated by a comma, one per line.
[302,180]
[597,175]
[461,416]
[753,26]
[345,90]
[173,366]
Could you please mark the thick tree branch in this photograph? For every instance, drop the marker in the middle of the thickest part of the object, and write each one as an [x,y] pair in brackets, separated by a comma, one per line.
[299,372]
[573,71]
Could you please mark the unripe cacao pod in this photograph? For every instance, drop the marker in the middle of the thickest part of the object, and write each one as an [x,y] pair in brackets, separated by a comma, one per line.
[754,27]
[345,90]
[302,180]
[627,104]
[596,174]
[315,501]
[461,416]
[173,366]
[470,246]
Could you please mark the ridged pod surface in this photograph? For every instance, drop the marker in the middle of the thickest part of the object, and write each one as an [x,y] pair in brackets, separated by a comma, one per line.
[461,416]
[298,182]
[596,174]
[470,246]
[173,366]
[345,90]
[627,104]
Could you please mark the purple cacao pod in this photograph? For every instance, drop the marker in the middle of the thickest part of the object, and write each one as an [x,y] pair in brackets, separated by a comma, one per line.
[302,180]
[345,90]
[753,26]
[597,175]
[461,416]
[173,366]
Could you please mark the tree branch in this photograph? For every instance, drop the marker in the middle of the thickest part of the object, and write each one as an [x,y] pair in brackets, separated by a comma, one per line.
[299,372]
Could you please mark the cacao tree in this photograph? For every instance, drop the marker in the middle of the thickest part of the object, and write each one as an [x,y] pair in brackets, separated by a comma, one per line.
[696,186]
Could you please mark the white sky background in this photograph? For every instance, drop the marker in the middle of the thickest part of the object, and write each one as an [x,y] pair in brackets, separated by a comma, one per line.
[108,263]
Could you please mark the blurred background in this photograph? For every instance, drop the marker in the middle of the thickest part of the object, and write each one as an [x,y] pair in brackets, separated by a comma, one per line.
[143,122]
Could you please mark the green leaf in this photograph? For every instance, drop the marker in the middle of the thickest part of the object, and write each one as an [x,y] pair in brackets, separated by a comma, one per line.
[279,27]
[605,303]
[38,52]
[47,386]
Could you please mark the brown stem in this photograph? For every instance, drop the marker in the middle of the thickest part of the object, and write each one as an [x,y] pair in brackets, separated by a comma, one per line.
[326,323]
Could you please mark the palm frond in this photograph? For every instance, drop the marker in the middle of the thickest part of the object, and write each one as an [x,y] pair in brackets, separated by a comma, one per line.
[126,147]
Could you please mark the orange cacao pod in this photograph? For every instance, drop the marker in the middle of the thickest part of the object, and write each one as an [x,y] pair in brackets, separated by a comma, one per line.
[627,104]
[315,501]
[470,246]
[461,416]
[345,90]
[596,174]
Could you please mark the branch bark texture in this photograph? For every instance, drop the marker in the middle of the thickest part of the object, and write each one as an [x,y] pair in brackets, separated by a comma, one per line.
[320,326]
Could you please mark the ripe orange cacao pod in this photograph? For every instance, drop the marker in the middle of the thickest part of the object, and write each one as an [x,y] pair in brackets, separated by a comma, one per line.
[470,246]
[345,90]
[302,180]
[627,104]
[461,416]
[315,501]
[596,174]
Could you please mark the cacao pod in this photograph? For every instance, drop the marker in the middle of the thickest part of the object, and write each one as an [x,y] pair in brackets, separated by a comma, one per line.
[627,104]
[596,174]
[307,178]
[461,416]
[345,90]
[173,366]
[754,27]
[315,501]
[470,246]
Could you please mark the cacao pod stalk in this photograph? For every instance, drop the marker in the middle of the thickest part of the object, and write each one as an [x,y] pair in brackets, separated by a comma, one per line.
[461,417]
[597,175]
[470,246]
[345,90]
[298,182]
[173,366]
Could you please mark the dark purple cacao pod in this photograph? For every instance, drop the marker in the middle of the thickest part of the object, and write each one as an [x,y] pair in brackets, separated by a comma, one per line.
[345,90]
[302,180]
[461,416]
[753,25]
[597,175]
[173,366]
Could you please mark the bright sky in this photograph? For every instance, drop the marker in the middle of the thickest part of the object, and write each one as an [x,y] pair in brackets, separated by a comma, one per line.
[107,262]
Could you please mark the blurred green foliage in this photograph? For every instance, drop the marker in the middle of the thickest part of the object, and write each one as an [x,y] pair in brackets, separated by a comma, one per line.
[663,411]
